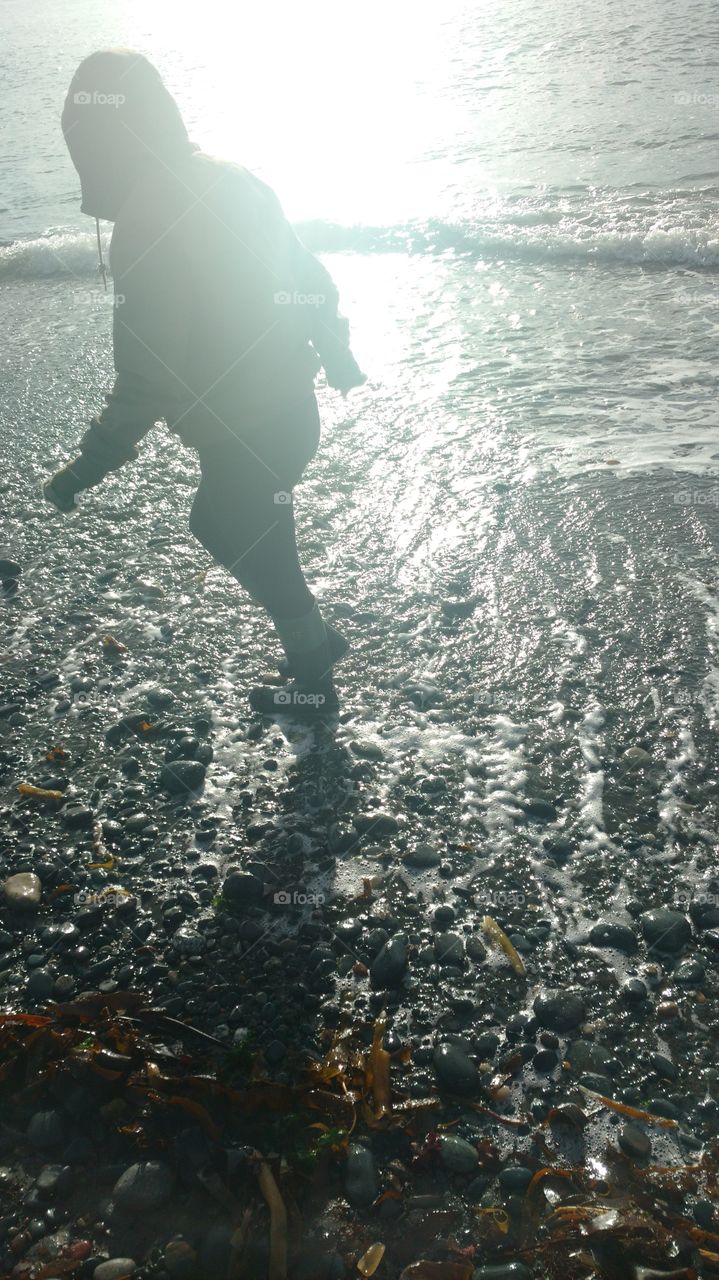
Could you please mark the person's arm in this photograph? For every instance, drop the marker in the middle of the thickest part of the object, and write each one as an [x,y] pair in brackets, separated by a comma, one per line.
[329,331]
[150,336]
[326,329]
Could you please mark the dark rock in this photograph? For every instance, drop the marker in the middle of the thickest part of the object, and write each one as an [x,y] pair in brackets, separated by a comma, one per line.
[691,971]
[180,777]
[9,569]
[664,1067]
[360,1176]
[635,1142]
[449,949]
[443,917]
[376,824]
[159,698]
[457,1155]
[634,991]
[559,1010]
[515,1178]
[241,887]
[660,1107]
[40,984]
[76,816]
[54,1180]
[46,1129]
[665,930]
[423,856]
[585,1055]
[180,1260]
[390,964]
[143,1187]
[616,936]
[545,1060]
[540,809]
[475,948]
[455,1071]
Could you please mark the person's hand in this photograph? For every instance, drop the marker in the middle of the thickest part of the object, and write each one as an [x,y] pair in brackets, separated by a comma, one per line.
[62,490]
[343,373]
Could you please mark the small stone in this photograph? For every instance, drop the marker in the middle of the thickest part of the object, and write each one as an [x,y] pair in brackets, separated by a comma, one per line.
[660,1107]
[366,750]
[618,937]
[665,930]
[180,777]
[40,984]
[515,1178]
[188,941]
[114,1269]
[457,1155]
[540,809]
[53,1180]
[180,1260]
[634,991]
[275,1052]
[390,964]
[443,917]
[160,697]
[692,971]
[545,1060]
[636,758]
[242,887]
[455,1070]
[559,1010]
[634,1142]
[144,1186]
[664,1066]
[423,856]
[377,824]
[449,949]
[360,1176]
[585,1055]
[475,948]
[46,1129]
[23,891]
[76,816]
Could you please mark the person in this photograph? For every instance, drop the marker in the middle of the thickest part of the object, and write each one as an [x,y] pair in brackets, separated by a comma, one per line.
[221,322]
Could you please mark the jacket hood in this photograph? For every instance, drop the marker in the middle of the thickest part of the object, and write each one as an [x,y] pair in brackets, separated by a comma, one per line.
[120,123]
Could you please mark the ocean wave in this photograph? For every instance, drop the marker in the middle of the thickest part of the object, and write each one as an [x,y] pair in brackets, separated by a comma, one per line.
[532,236]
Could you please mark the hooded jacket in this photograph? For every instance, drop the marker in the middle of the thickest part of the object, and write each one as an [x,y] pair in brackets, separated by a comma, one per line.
[221,317]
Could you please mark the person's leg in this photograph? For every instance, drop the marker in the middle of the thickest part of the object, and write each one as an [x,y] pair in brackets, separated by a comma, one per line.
[247,524]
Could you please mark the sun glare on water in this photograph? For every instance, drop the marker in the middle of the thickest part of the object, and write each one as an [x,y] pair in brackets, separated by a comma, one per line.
[335,105]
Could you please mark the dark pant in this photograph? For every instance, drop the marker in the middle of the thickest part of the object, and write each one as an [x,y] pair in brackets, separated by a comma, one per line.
[243,511]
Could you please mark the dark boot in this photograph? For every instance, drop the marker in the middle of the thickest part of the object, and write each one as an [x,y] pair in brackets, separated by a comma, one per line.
[312,694]
[338,646]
